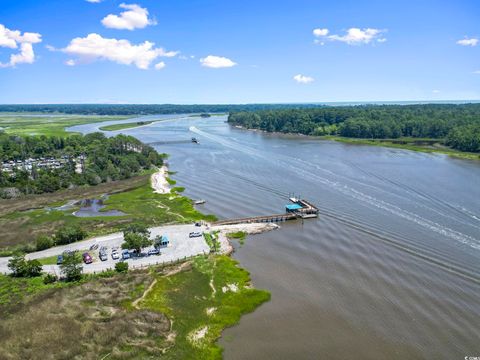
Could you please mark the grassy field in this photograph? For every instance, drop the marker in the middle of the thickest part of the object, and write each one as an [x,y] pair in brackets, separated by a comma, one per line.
[175,312]
[413,144]
[116,127]
[17,291]
[47,125]
[22,221]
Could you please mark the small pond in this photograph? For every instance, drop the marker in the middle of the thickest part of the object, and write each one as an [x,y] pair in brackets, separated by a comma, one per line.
[93,207]
[89,208]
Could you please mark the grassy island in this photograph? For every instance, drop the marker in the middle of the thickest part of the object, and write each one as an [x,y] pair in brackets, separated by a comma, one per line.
[125,126]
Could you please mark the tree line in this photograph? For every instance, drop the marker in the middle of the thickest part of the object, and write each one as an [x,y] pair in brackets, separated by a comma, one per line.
[457,125]
[86,160]
[131,109]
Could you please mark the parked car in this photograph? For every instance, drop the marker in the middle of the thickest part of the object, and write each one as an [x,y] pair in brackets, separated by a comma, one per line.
[59,259]
[103,255]
[94,247]
[125,254]
[195,234]
[115,254]
[87,259]
[153,252]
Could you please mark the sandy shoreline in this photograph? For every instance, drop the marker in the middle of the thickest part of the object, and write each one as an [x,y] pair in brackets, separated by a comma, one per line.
[251,229]
[159,181]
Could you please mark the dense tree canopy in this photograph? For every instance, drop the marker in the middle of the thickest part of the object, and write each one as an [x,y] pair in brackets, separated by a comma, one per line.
[458,124]
[119,109]
[102,159]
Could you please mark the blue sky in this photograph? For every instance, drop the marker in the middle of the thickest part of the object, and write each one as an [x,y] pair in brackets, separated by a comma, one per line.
[246,51]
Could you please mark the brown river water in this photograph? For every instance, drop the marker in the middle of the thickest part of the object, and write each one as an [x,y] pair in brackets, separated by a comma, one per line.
[389,270]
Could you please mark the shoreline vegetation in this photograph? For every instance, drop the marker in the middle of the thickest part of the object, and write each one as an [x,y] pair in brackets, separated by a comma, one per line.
[412,144]
[442,128]
[434,146]
[174,311]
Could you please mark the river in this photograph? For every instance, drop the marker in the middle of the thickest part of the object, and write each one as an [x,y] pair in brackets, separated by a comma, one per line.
[390,269]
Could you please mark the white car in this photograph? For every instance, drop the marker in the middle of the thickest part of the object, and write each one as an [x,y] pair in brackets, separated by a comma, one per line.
[115,255]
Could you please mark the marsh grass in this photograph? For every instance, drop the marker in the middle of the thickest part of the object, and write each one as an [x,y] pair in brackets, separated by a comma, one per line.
[238,235]
[87,321]
[96,317]
[186,298]
[48,125]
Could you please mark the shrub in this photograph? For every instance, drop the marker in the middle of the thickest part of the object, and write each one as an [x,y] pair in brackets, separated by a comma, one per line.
[24,268]
[43,242]
[49,279]
[121,267]
[69,235]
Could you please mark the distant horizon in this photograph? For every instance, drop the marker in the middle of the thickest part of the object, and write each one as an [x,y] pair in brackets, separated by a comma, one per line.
[344,103]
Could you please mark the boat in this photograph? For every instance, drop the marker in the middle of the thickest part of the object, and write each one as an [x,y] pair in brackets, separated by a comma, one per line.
[194,140]
[199,202]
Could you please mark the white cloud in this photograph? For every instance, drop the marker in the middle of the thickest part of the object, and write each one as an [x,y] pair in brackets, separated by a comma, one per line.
[94,1]
[477,72]
[95,47]
[217,62]
[320,32]
[468,42]
[436,91]
[302,79]
[160,65]
[70,62]
[353,36]
[135,17]
[13,39]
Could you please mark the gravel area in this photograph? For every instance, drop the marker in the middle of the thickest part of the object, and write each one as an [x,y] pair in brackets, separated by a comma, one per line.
[180,247]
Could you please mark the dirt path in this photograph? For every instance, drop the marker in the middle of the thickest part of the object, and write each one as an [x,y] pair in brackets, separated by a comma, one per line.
[136,302]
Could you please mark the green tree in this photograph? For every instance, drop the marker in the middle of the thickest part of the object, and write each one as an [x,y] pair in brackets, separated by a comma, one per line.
[24,268]
[136,241]
[72,267]
[137,228]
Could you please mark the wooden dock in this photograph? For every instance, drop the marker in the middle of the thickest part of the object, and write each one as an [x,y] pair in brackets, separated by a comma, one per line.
[304,210]
[257,219]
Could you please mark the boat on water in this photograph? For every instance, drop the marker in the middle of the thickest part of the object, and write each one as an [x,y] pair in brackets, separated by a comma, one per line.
[199,202]
[195,140]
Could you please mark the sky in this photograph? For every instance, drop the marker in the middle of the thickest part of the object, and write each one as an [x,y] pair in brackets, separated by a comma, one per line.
[263,51]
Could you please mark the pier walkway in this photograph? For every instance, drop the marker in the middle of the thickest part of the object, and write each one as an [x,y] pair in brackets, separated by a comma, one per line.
[301,209]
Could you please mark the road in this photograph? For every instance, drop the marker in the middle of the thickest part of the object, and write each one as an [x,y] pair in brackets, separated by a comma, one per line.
[180,247]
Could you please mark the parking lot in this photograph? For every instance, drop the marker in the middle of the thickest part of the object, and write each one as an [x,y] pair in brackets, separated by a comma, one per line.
[181,246]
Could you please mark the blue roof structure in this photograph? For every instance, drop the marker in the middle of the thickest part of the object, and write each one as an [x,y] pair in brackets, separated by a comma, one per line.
[292,207]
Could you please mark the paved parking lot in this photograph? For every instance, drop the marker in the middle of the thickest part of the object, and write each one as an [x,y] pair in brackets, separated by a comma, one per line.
[180,247]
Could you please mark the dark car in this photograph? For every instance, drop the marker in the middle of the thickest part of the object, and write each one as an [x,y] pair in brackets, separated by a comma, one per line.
[59,259]
[87,259]
[125,254]
[195,234]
